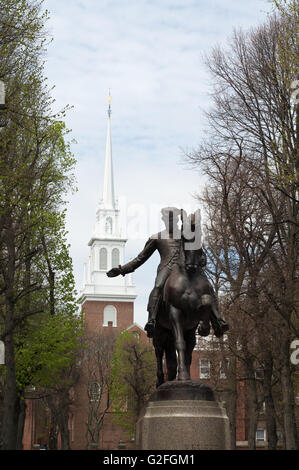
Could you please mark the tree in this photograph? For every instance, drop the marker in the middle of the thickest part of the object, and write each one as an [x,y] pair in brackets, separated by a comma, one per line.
[250,158]
[133,376]
[97,366]
[35,168]
[59,398]
[47,344]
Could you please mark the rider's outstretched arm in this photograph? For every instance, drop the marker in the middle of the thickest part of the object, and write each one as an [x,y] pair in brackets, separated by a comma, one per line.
[143,256]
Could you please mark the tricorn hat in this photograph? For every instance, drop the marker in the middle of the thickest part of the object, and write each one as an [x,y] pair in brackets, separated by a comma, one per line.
[174,210]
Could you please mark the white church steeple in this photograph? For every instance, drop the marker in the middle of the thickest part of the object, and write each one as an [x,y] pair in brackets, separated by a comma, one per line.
[107,246]
[108,197]
[107,215]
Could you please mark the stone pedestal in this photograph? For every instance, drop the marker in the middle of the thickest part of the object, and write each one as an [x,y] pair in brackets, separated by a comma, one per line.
[183,416]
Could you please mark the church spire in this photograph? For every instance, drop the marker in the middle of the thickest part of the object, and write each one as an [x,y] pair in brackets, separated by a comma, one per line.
[107,244]
[108,197]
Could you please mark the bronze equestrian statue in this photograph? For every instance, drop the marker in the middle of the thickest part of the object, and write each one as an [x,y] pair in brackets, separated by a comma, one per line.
[182,298]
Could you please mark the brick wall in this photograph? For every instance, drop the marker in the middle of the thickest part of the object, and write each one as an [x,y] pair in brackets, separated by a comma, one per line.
[94,314]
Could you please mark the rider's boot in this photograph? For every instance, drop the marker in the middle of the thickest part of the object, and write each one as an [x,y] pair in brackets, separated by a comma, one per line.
[152,314]
[204,328]
[219,325]
[204,324]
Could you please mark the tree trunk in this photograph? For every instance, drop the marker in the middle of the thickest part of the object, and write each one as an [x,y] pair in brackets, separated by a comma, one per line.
[253,409]
[231,408]
[64,430]
[231,403]
[21,423]
[269,403]
[53,434]
[11,401]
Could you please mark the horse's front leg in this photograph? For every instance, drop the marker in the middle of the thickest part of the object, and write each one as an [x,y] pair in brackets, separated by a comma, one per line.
[190,339]
[160,372]
[159,350]
[175,318]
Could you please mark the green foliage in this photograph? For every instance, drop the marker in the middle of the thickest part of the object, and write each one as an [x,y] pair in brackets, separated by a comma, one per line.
[38,321]
[47,350]
[133,379]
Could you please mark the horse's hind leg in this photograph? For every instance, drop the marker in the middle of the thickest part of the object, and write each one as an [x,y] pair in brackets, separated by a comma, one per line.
[180,344]
[171,360]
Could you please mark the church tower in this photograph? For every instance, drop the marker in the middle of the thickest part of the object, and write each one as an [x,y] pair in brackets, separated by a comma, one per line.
[107,301]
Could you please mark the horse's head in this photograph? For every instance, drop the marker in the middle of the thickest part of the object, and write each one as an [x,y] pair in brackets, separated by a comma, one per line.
[194,259]
[194,255]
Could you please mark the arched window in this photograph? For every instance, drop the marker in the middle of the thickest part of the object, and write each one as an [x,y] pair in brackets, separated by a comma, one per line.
[115,257]
[94,391]
[109,315]
[103,258]
[108,226]
[137,335]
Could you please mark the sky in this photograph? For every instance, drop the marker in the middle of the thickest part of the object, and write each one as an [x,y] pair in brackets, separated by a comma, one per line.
[150,54]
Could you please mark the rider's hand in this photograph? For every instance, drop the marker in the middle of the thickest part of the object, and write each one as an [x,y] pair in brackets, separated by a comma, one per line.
[114,272]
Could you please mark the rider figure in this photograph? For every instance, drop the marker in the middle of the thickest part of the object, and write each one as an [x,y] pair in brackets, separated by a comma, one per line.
[168,244]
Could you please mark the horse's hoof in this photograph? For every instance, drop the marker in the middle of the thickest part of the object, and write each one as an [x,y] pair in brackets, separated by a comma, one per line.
[203,328]
[220,327]
[159,382]
[150,328]
[183,377]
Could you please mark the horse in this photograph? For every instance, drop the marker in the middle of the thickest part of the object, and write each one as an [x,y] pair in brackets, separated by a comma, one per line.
[188,301]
